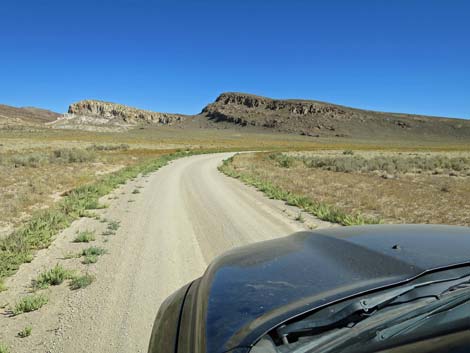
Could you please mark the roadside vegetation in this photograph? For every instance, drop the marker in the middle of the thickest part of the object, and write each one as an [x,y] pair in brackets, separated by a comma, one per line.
[39,232]
[81,281]
[84,237]
[29,303]
[4,348]
[91,254]
[323,211]
[53,277]
[357,187]
[26,332]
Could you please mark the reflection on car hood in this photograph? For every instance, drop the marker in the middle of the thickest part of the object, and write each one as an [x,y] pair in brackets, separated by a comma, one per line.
[249,290]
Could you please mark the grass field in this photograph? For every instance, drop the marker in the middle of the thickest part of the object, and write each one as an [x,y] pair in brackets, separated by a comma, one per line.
[390,187]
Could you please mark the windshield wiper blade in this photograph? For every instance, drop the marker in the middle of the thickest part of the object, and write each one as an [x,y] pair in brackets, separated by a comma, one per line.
[348,313]
[353,312]
[408,322]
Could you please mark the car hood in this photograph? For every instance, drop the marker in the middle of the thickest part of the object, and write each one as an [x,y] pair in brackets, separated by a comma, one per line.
[248,291]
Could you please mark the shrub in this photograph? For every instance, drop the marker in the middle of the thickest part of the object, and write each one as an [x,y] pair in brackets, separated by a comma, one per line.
[91,254]
[93,250]
[390,164]
[84,237]
[72,155]
[53,277]
[30,303]
[90,259]
[282,160]
[25,332]
[82,281]
[29,160]
[4,349]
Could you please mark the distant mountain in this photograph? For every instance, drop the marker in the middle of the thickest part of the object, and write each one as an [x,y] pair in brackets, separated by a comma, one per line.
[314,118]
[27,115]
[105,114]
[244,111]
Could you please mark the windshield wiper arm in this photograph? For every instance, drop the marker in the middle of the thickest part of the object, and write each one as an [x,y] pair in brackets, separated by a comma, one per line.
[353,312]
[399,325]
[348,313]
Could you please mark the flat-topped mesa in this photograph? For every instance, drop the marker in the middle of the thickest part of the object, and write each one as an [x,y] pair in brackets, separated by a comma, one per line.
[119,113]
[315,118]
[301,107]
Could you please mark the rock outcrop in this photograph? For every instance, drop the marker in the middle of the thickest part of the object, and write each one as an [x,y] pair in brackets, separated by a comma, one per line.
[314,118]
[113,113]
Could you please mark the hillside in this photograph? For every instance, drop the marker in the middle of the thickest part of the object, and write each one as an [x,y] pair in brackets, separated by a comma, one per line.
[314,118]
[28,115]
[87,113]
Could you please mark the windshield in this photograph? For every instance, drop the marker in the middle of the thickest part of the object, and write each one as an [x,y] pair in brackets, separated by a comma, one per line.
[403,315]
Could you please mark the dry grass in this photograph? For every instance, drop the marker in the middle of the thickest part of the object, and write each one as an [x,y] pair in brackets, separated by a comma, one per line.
[400,198]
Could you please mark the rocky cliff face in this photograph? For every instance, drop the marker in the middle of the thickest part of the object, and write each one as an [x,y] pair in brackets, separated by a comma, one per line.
[316,118]
[112,113]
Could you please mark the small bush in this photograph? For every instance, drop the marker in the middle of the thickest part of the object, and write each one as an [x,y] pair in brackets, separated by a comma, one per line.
[30,303]
[82,281]
[84,237]
[136,191]
[25,332]
[90,259]
[282,160]
[348,152]
[91,254]
[53,277]
[114,225]
[72,155]
[29,160]
[93,250]
[4,349]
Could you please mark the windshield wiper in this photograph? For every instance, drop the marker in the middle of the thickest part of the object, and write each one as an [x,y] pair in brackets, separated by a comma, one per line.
[350,313]
[354,312]
[446,302]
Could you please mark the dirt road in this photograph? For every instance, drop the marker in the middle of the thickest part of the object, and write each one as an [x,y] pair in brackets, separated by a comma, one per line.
[177,221]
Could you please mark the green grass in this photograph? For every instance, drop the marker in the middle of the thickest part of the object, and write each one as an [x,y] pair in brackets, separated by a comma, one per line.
[3,286]
[81,281]
[52,277]
[71,255]
[93,250]
[90,259]
[25,332]
[84,237]
[4,349]
[114,225]
[91,254]
[30,303]
[322,211]
[38,233]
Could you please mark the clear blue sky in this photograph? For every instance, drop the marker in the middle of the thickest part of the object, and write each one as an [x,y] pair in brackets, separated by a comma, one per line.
[176,56]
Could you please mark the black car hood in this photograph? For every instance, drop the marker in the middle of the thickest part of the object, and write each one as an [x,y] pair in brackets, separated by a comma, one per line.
[250,290]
